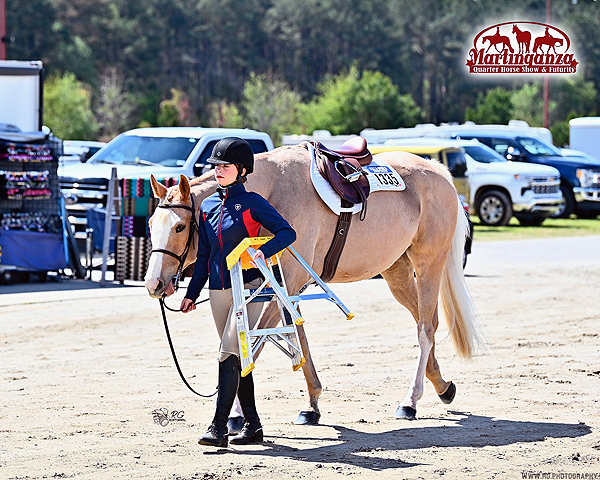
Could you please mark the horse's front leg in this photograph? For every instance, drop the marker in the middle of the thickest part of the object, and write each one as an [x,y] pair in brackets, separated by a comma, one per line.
[311,415]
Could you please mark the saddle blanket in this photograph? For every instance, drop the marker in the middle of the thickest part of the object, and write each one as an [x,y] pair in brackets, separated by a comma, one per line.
[382,177]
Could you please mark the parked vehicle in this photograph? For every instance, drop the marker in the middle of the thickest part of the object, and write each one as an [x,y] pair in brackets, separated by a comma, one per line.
[79,150]
[430,130]
[584,135]
[165,152]
[498,189]
[580,177]
[21,87]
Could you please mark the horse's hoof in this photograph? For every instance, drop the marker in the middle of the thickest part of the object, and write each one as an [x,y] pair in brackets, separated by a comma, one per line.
[406,413]
[235,425]
[308,417]
[449,394]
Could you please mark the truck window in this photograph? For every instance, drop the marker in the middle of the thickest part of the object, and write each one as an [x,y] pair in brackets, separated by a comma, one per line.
[258,146]
[501,145]
[483,155]
[133,149]
[537,148]
[457,164]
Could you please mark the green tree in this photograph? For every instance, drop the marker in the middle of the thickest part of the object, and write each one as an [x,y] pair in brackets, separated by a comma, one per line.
[67,108]
[527,104]
[224,115]
[115,108]
[270,106]
[568,98]
[572,97]
[350,102]
[175,111]
[493,107]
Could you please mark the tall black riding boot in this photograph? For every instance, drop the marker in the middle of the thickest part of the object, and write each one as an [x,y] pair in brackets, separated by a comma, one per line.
[229,377]
[252,431]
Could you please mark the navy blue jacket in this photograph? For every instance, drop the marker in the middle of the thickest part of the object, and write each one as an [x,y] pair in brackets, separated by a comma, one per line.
[226,218]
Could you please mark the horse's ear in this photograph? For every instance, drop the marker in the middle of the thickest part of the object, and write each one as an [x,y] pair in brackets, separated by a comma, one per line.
[159,190]
[184,186]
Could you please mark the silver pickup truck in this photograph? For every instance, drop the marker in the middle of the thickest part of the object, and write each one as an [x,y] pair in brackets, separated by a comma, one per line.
[163,151]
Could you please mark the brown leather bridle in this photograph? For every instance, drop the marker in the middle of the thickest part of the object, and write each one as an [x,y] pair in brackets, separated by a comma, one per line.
[193,227]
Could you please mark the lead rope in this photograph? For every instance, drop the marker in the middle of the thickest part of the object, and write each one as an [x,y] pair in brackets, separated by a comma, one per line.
[164,315]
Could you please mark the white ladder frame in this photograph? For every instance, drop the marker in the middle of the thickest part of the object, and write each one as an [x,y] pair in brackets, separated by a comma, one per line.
[250,340]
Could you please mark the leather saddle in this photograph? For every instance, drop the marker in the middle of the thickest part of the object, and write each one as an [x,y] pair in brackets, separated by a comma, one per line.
[355,147]
[342,168]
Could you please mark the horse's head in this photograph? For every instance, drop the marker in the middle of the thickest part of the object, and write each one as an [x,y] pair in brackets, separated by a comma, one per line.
[174,244]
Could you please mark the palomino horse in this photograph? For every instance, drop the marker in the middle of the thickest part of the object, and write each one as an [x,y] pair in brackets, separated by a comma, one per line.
[413,238]
[523,39]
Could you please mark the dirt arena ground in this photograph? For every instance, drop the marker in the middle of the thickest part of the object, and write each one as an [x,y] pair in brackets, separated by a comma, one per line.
[83,369]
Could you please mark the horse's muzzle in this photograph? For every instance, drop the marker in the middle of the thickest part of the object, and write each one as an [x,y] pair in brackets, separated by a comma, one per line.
[156,287]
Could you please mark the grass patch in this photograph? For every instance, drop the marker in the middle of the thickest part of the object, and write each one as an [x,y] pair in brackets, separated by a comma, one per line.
[560,227]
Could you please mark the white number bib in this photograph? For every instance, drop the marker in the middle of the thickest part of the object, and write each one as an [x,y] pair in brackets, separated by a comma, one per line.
[383,177]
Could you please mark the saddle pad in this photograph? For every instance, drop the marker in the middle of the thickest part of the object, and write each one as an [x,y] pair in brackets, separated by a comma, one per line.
[381,177]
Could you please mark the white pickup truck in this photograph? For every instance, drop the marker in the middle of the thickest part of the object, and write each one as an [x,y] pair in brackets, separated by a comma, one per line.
[498,188]
[501,188]
[163,151]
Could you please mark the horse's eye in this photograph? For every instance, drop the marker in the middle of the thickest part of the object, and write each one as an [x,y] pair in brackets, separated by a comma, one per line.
[180,228]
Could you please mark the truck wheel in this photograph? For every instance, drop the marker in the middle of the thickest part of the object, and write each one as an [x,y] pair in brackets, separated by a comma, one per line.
[494,209]
[568,204]
[530,220]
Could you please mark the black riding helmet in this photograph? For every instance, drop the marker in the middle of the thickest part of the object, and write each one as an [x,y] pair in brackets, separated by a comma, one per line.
[233,150]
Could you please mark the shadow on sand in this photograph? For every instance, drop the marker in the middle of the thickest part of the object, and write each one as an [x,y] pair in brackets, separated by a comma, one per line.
[360,449]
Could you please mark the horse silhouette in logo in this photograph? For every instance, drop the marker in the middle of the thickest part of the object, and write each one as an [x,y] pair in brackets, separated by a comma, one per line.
[497,40]
[523,39]
[546,39]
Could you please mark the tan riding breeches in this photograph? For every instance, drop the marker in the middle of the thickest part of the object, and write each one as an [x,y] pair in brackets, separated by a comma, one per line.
[221,304]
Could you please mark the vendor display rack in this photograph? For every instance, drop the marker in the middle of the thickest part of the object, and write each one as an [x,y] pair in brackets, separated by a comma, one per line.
[34,237]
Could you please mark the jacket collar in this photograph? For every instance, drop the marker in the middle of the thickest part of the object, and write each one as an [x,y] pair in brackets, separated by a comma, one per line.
[231,190]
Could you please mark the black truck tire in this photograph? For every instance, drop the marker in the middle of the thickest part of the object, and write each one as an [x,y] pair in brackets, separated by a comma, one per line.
[494,209]
[568,205]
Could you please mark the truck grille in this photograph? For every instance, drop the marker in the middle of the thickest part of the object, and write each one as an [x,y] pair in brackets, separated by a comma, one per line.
[545,188]
[80,195]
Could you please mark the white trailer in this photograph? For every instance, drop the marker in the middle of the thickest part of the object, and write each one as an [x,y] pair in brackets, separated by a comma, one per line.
[584,135]
[21,88]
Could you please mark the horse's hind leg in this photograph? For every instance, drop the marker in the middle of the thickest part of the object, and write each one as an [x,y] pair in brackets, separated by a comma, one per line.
[426,328]
[400,278]
[445,390]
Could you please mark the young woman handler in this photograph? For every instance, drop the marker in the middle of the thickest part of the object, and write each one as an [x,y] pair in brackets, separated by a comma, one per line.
[226,218]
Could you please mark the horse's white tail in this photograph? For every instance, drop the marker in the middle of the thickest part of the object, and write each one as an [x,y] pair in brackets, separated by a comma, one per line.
[457,305]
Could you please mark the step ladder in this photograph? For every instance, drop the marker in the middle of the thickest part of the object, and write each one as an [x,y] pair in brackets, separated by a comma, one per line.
[273,288]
